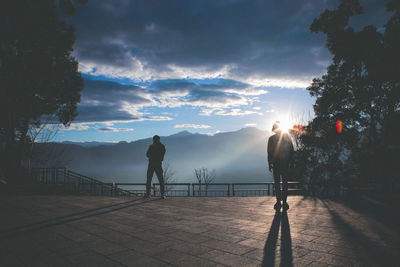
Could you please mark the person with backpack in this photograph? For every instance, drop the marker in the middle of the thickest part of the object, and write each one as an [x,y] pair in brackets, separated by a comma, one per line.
[280,158]
[155,153]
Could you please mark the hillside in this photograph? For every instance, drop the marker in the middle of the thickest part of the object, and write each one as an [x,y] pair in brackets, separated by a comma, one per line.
[236,156]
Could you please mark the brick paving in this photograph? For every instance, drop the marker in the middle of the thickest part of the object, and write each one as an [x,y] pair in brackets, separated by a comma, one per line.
[188,231]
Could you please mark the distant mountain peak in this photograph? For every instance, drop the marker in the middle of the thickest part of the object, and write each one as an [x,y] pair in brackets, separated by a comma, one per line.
[182,133]
[249,129]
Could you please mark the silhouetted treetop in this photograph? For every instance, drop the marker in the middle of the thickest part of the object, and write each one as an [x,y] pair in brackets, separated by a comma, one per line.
[362,89]
[38,75]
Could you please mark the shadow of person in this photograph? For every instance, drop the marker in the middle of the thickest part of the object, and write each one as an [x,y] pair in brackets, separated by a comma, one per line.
[286,241]
[73,217]
[270,245]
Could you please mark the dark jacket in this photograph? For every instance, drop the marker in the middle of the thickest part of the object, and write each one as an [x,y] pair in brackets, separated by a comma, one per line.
[280,149]
[156,152]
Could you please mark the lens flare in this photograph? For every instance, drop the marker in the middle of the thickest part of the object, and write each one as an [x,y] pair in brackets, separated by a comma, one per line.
[339,126]
[284,126]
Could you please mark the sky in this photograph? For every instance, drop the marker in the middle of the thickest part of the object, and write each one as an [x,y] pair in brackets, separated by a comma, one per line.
[161,67]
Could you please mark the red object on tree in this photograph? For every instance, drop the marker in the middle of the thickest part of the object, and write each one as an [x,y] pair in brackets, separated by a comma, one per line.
[339,126]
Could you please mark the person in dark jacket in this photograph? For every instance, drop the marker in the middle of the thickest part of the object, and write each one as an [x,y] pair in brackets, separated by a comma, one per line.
[280,158]
[155,153]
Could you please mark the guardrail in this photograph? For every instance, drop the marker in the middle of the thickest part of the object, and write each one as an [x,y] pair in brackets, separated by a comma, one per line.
[212,189]
[61,180]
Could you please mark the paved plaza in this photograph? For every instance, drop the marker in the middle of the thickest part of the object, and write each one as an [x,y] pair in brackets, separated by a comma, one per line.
[192,231]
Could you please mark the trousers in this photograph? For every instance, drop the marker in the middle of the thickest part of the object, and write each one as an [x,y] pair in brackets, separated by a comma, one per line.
[281,171]
[157,168]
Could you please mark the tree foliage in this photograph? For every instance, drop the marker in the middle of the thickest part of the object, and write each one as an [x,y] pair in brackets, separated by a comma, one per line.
[39,77]
[362,89]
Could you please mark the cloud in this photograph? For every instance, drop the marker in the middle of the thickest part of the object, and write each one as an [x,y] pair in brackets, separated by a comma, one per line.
[270,45]
[236,112]
[213,133]
[76,127]
[262,43]
[113,129]
[250,125]
[196,126]
[110,102]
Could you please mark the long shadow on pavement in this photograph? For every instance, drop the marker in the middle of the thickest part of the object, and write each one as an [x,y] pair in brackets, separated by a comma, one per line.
[286,241]
[72,217]
[374,208]
[368,251]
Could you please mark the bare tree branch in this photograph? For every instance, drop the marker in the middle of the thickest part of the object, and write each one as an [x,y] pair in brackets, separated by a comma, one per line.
[205,177]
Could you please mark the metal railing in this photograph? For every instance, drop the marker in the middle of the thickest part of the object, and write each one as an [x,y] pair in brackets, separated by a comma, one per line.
[212,189]
[61,180]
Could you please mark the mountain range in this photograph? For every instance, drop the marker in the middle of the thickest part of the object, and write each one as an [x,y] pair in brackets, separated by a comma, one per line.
[238,156]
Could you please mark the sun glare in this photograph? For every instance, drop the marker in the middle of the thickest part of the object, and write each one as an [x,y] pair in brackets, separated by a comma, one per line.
[285,126]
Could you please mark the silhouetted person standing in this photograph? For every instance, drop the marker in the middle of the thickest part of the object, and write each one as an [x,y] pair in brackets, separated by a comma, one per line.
[280,158]
[155,153]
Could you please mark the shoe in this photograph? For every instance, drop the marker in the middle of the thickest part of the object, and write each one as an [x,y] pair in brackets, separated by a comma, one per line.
[285,206]
[277,206]
[163,197]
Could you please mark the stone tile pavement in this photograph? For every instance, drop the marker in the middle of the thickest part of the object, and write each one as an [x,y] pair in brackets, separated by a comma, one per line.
[188,231]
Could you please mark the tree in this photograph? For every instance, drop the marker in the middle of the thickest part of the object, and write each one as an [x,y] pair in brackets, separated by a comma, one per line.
[204,177]
[362,89]
[38,76]
[168,175]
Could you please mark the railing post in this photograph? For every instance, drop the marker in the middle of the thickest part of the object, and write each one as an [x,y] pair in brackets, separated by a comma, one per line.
[193,189]
[188,193]
[229,193]
[154,190]
[233,189]
[268,190]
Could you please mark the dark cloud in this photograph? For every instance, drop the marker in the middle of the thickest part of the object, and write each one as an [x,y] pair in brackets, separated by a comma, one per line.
[197,85]
[263,38]
[102,113]
[212,93]
[102,101]
[113,129]
[111,93]
[107,101]
[105,129]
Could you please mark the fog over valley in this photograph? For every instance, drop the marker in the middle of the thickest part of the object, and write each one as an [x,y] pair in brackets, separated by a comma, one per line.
[238,156]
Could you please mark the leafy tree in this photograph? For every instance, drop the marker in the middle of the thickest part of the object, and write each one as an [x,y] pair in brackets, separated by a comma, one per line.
[38,76]
[362,89]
